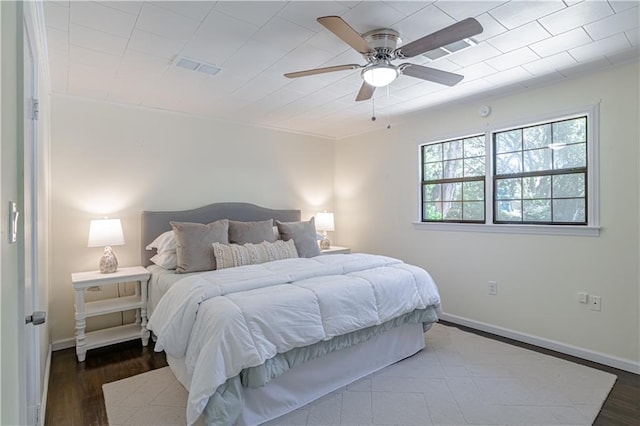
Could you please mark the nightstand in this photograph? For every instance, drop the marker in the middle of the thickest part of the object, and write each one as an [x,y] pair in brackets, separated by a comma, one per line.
[95,339]
[336,250]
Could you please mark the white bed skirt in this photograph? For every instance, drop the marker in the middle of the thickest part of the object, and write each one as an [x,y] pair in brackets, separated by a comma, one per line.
[309,381]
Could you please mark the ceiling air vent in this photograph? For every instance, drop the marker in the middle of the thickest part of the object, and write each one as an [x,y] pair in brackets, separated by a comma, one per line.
[450,48]
[193,65]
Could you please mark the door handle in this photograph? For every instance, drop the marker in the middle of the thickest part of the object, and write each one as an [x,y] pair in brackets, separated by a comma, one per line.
[37,318]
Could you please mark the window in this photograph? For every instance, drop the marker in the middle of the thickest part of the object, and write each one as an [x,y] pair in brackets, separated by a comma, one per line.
[534,174]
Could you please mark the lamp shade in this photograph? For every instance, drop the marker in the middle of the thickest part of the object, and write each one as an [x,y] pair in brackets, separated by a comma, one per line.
[324,221]
[379,75]
[105,232]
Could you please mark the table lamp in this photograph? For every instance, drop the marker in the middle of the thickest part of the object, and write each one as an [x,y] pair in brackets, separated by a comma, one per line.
[324,223]
[107,233]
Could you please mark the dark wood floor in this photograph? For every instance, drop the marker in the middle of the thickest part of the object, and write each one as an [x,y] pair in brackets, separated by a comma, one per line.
[75,389]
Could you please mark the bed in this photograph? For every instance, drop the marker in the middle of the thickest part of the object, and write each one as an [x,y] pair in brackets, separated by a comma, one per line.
[254,342]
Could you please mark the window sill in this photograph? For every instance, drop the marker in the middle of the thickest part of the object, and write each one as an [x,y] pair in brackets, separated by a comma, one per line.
[582,231]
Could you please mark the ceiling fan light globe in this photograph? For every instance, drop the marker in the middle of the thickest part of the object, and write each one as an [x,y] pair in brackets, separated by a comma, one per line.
[379,75]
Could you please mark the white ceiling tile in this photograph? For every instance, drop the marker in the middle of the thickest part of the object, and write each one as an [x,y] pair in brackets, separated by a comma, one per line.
[519,37]
[600,48]
[576,16]
[299,59]
[408,7]
[614,24]
[96,40]
[558,61]
[510,76]
[424,22]
[132,88]
[490,27]
[620,5]
[513,59]
[368,16]
[544,79]
[306,13]
[516,13]
[460,10]
[102,18]
[133,61]
[82,80]
[191,9]
[254,12]
[633,36]
[130,7]
[146,42]
[57,39]
[587,67]
[282,34]
[92,58]
[474,54]
[56,16]
[165,23]
[444,64]
[561,42]
[327,41]
[476,71]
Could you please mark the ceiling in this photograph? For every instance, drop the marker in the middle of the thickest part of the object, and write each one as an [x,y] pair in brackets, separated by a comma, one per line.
[126,52]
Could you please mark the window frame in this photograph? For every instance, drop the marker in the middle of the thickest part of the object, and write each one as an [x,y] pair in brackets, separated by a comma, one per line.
[592,196]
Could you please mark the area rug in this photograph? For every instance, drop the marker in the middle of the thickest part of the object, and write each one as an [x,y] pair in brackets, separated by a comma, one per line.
[458,379]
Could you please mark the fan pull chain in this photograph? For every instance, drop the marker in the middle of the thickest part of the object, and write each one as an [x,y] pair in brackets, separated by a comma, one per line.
[388,115]
[373,109]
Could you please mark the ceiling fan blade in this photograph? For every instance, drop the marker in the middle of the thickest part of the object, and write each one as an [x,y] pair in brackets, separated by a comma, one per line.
[322,70]
[463,29]
[340,28]
[366,92]
[431,74]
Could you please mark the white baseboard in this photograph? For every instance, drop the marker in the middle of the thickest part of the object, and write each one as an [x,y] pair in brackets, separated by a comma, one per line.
[45,389]
[600,358]
[63,344]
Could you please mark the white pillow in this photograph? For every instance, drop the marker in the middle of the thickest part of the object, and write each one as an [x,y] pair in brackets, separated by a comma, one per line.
[232,255]
[167,259]
[165,242]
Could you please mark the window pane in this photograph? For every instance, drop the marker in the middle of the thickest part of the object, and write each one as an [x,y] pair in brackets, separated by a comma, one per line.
[566,186]
[452,211]
[473,210]
[474,147]
[536,187]
[452,150]
[474,166]
[570,131]
[473,191]
[432,152]
[536,210]
[509,189]
[453,169]
[509,211]
[536,137]
[508,163]
[432,171]
[452,191]
[509,141]
[570,156]
[569,210]
[431,192]
[537,160]
[432,211]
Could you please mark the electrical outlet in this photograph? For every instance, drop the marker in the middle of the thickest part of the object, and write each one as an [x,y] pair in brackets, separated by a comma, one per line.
[594,303]
[583,297]
[492,288]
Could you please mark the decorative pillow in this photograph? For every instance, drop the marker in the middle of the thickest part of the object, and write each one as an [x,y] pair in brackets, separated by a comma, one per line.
[164,242]
[303,235]
[167,259]
[251,232]
[193,244]
[232,255]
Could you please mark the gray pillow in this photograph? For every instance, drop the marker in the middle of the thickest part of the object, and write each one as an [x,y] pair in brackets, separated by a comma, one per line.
[194,244]
[303,235]
[251,232]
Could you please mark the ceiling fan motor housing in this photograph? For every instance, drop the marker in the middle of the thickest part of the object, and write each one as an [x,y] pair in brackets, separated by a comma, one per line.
[384,42]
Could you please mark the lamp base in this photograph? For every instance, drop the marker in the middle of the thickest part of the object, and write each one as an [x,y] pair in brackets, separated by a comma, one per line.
[325,244]
[108,261]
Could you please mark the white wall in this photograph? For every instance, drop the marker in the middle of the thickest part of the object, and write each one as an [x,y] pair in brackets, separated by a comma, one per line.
[119,161]
[538,276]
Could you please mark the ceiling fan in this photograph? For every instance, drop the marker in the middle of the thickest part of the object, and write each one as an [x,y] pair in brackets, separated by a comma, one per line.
[380,47]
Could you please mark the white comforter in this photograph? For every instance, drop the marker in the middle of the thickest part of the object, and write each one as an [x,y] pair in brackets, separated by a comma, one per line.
[227,320]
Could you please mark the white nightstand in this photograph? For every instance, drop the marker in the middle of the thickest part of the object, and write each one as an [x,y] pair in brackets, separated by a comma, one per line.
[336,250]
[95,339]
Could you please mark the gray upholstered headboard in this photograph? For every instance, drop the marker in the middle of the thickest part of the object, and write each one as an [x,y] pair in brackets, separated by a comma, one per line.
[155,223]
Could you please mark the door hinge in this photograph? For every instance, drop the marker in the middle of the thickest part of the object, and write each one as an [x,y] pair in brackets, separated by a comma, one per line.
[35,110]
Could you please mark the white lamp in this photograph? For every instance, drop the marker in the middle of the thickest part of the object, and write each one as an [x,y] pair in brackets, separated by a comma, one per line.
[107,233]
[324,223]
[379,75]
